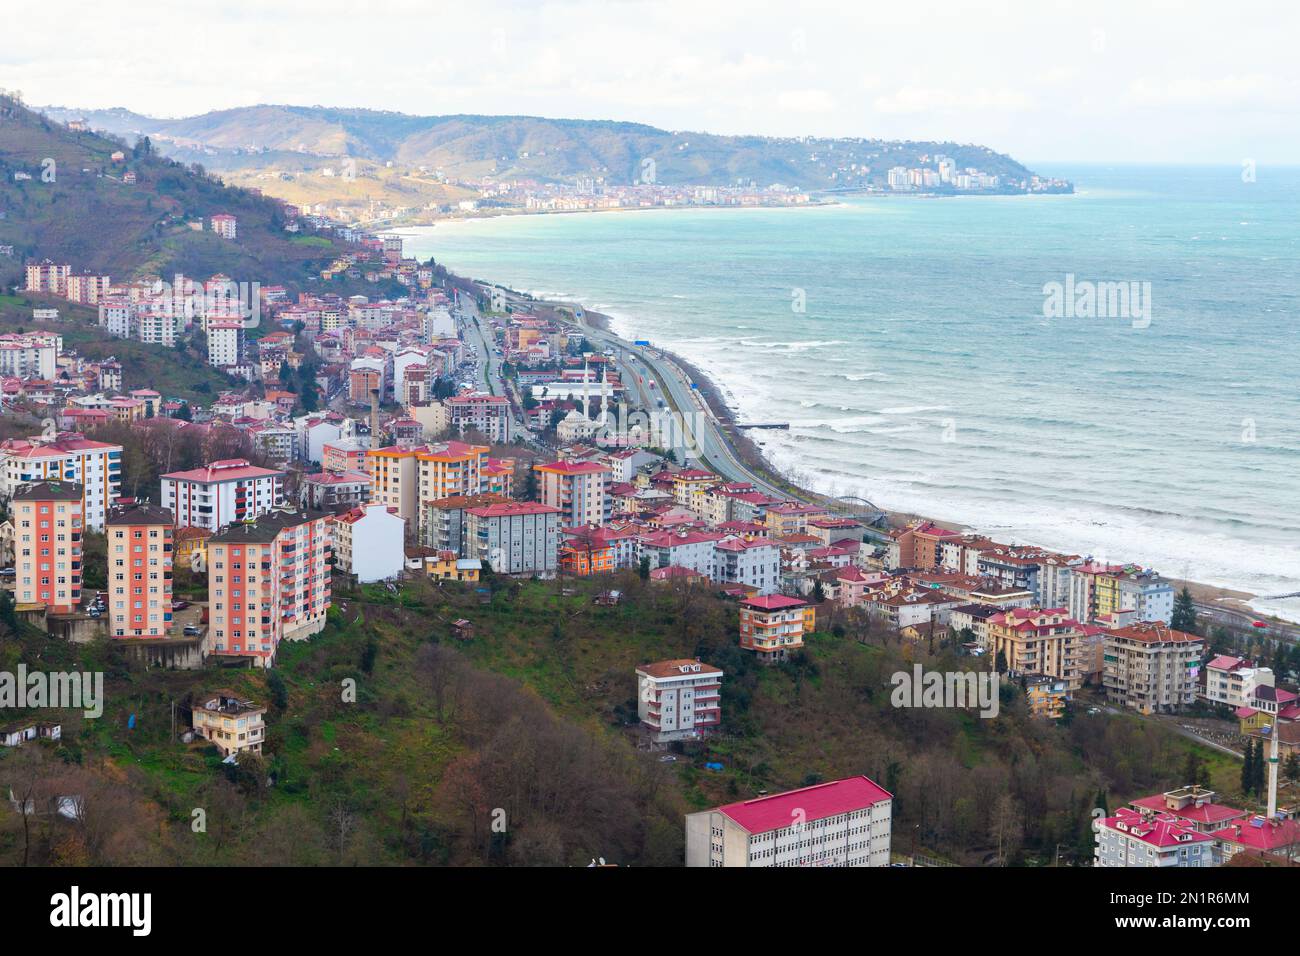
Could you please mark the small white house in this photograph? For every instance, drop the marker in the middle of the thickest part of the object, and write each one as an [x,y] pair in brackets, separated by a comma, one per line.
[369,543]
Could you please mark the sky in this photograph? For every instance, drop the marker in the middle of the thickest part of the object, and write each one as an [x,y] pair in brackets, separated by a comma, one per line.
[1097,81]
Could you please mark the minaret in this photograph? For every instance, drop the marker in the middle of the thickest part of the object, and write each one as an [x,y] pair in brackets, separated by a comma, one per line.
[604,379]
[1272,774]
[586,395]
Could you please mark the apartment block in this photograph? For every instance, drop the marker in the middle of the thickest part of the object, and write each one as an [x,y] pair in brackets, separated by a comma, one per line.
[515,537]
[489,415]
[139,571]
[579,489]
[1150,838]
[48,519]
[773,625]
[679,699]
[1039,641]
[66,457]
[1152,668]
[222,493]
[840,823]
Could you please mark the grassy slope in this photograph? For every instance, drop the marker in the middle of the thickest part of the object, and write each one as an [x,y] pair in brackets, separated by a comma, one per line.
[91,219]
[175,374]
[402,771]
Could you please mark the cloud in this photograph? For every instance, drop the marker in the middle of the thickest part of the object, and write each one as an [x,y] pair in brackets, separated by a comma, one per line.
[914,99]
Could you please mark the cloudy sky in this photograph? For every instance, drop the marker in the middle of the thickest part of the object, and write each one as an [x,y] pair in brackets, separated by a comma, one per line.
[1136,81]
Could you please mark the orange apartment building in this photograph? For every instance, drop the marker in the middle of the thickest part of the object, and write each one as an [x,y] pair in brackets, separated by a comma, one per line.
[579,489]
[139,571]
[451,468]
[48,520]
[773,625]
[268,582]
[394,480]
[1036,640]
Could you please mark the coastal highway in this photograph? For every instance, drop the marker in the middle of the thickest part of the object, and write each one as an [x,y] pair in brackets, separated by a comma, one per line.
[715,452]
[1245,621]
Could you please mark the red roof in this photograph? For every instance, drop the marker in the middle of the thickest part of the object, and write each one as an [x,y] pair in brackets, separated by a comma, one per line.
[509,508]
[231,469]
[775,602]
[574,467]
[1205,813]
[1257,833]
[1162,829]
[809,803]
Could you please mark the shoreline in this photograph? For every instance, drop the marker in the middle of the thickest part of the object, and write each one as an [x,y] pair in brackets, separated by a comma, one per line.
[751,456]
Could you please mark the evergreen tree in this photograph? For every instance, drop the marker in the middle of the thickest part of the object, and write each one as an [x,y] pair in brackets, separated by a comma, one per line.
[1248,769]
[643,569]
[1261,769]
[1184,618]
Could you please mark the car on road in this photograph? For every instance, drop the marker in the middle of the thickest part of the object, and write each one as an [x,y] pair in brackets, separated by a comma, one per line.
[192,630]
[1259,624]
[180,605]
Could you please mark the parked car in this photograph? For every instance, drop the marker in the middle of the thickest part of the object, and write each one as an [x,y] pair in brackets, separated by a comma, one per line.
[192,630]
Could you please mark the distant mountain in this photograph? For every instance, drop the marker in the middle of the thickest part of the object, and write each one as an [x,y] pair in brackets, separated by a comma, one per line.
[557,150]
[64,196]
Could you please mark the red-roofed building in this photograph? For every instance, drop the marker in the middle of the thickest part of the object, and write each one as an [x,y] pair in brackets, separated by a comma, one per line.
[222,493]
[773,625]
[840,823]
[1194,806]
[1150,838]
[679,699]
[514,537]
[1152,668]
[1280,836]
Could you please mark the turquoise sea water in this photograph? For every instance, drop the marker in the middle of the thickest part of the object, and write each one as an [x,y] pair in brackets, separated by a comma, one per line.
[923,373]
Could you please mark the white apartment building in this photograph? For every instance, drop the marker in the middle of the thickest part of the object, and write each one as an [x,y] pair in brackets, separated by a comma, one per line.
[368,542]
[753,563]
[221,493]
[1149,838]
[1231,681]
[225,342]
[94,465]
[29,356]
[117,316]
[841,823]
[486,414]
[679,699]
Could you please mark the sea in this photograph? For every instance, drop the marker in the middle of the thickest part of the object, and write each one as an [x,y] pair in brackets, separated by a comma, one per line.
[938,355]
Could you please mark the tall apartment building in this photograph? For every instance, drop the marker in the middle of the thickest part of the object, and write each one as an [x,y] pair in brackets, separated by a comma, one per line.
[679,700]
[45,276]
[1036,640]
[225,225]
[443,521]
[395,480]
[48,519]
[268,581]
[840,823]
[1151,668]
[223,492]
[515,537]
[489,415]
[451,468]
[579,489]
[773,625]
[68,457]
[34,355]
[225,342]
[139,571]
[749,562]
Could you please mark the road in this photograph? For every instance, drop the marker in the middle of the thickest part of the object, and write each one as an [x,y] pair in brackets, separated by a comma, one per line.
[673,385]
[1245,621]
[479,330]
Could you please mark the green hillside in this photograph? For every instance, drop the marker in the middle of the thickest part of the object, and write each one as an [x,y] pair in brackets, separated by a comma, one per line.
[84,214]
[531,722]
[470,146]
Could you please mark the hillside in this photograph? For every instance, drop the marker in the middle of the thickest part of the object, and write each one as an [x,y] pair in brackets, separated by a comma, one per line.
[471,147]
[532,721]
[82,212]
